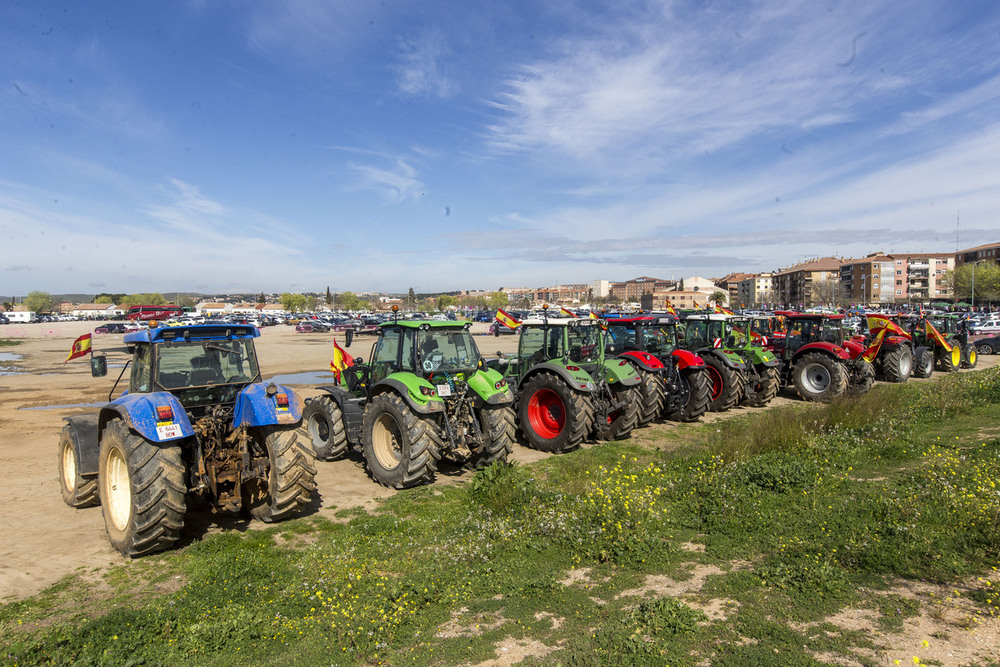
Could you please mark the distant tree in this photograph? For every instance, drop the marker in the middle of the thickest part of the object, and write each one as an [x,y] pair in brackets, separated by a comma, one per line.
[496,300]
[7,305]
[446,301]
[261,298]
[311,302]
[186,302]
[350,301]
[293,303]
[987,282]
[144,299]
[107,297]
[718,297]
[39,302]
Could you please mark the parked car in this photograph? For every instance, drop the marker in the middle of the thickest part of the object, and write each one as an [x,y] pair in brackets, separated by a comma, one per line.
[990,326]
[989,345]
[498,329]
[311,326]
[110,328]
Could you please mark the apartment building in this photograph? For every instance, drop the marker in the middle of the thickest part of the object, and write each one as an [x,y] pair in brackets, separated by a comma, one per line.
[804,283]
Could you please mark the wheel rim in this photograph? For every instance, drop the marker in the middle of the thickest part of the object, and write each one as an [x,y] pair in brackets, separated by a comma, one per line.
[905,365]
[387,441]
[118,489]
[816,378]
[972,357]
[546,413]
[69,466]
[319,429]
[716,379]
[985,349]
[956,356]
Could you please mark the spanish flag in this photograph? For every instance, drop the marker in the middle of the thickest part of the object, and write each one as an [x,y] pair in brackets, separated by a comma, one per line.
[936,335]
[341,360]
[81,347]
[504,318]
[723,311]
[877,322]
[594,316]
[670,309]
[876,345]
[567,312]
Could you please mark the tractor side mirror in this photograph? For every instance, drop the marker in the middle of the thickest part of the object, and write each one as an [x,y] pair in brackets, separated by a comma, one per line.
[348,337]
[99,366]
[359,360]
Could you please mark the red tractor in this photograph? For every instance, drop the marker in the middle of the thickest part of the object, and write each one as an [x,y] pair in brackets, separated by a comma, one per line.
[818,361]
[675,382]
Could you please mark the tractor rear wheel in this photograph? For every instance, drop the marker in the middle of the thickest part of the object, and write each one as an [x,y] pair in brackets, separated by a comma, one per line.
[819,377]
[924,365]
[897,364]
[142,491]
[401,448]
[290,480]
[693,397]
[861,378]
[653,395]
[726,386]
[77,491]
[764,390]
[497,423]
[619,423]
[323,422]
[554,417]
[969,356]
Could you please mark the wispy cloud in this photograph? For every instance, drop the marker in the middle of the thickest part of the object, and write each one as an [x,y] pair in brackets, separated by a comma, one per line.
[421,68]
[396,184]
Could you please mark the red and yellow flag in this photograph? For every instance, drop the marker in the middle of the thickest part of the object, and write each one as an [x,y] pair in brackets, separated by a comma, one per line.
[81,347]
[341,360]
[936,335]
[567,312]
[670,309]
[504,318]
[876,345]
[723,311]
[877,322]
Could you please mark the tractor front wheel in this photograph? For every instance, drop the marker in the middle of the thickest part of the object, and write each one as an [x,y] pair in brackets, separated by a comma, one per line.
[401,448]
[554,418]
[760,393]
[969,356]
[924,366]
[621,419]
[290,480]
[819,377]
[323,422]
[497,423]
[77,490]
[861,379]
[897,364]
[142,491]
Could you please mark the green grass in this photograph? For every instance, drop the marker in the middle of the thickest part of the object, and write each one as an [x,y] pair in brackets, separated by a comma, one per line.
[800,512]
[6,342]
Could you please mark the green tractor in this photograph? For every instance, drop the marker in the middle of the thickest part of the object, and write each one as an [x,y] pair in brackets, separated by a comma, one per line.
[763,368]
[566,389]
[425,394]
[704,334]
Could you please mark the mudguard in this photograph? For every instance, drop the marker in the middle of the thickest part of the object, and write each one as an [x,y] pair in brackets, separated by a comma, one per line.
[139,413]
[86,444]
[578,379]
[643,360]
[418,393]
[619,371]
[822,346]
[351,407]
[686,359]
[731,359]
[763,357]
[255,408]
[853,348]
[491,387]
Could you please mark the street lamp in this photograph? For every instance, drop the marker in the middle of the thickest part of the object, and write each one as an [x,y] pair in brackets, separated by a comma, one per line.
[864,299]
[974,282]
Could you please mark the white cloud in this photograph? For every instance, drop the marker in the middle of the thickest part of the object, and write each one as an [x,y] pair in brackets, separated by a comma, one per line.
[396,184]
[421,66]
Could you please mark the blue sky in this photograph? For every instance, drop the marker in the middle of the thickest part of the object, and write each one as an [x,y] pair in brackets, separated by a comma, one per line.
[291,145]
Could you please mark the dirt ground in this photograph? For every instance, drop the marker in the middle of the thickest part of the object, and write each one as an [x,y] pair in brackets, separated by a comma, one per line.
[43,540]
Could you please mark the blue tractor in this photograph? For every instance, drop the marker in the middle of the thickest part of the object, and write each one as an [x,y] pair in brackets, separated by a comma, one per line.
[196,420]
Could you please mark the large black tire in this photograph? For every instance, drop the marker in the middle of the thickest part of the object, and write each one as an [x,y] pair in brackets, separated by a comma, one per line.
[923,366]
[652,397]
[323,423]
[553,417]
[819,377]
[969,356]
[726,384]
[897,364]
[695,396]
[291,478]
[861,378]
[949,361]
[764,390]
[401,448]
[498,427]
[984,348]
[77,490]
[619,423]
[142,491]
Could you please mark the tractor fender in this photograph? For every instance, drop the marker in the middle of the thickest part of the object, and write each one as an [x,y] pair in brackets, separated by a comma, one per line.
[686,359]
[763,357]
[822,346]
[86,443]
[579,380]
[490,388]
[853,348]
[619,371]
[139,413]
[418,393]
[254,407]
[730,359]
[642,360]
[350,406]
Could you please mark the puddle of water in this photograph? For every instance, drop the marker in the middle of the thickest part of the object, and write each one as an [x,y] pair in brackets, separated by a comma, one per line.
[68,406]
[9,356]
[311,377]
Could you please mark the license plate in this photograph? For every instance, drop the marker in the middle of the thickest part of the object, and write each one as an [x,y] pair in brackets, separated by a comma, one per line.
[167,431]
[444,390]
